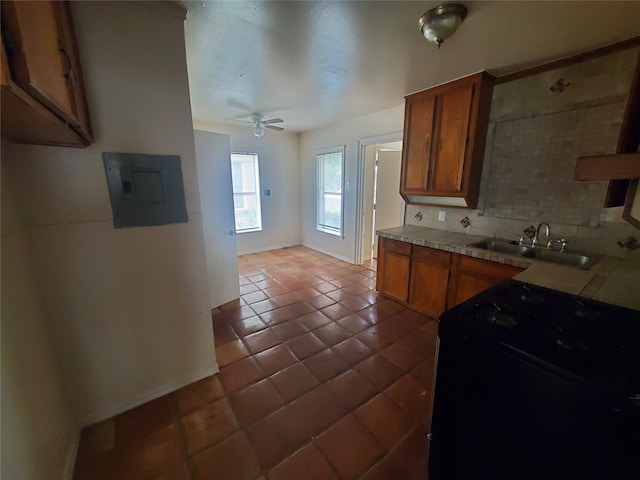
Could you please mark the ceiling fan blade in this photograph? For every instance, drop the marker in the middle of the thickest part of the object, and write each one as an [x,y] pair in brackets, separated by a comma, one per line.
[273,127]
[272,120]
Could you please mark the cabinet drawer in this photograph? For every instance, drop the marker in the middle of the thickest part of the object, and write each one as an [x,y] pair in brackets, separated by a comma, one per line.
[431,255]
[402,248]
[486,267]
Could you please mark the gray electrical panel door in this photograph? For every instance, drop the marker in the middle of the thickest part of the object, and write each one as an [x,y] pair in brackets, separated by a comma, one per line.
[145,189]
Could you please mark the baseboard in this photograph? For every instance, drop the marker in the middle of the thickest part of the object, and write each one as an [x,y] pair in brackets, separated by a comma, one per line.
[94,417]
[331,254]
[72,453]
[267,248]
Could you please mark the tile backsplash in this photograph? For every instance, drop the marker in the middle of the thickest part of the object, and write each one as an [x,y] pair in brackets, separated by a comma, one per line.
[535,137]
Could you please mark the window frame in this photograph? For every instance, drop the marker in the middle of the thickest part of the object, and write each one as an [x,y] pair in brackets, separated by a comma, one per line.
[320,193]
[256,167]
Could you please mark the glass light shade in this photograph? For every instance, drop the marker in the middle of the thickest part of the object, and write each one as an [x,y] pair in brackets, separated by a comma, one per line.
[258,131]
[441,22]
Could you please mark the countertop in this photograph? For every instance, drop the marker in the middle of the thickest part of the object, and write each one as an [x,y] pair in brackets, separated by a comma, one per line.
[610,280]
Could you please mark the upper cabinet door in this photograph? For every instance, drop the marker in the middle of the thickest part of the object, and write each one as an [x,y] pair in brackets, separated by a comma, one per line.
[445,131]
[449,154]
[419,118]
[39,59]
[43,70]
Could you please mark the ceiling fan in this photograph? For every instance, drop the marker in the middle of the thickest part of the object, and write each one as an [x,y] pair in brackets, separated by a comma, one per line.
[259,124]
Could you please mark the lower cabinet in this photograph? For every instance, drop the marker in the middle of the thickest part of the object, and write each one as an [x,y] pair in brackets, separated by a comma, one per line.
[430,280]
[470,276]
[394,262]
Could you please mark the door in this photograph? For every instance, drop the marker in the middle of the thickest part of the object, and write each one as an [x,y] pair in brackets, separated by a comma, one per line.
[369,186]
[389,205]
[213,159]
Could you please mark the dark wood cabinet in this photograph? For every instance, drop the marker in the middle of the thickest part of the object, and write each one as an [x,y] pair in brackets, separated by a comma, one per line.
[394,261]
[470,276]
[43,97]
[445,132]
[429,280]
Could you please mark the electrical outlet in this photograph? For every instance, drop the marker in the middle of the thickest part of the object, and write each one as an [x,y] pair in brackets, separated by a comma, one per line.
[442,216]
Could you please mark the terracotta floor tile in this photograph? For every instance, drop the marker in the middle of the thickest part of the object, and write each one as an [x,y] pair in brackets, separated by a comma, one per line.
[374,315]
[236,314]
[276,290]
[198,394]
[351,389]
[371,297]
[231,305]
[412,396]
[423,373]
[277,316]
[305,345]
[379,371]
[230,352]
[288,330]
[248,326]
[274,437]
[349,447]
[325,287]
[316,410]
[286,299]
[394,330]
[354,323]
[178,471]
[386,469]
[421,342]
[339,295]
[223,333]
[308,463]
[149,456]
[336,311]
[275,359]
[264,306]
[386,421]
[267,283]
[255,402]
[294,381]
[314,320]
[145,419]
[320,301]
[248,288]
[258,277]
[354,303]
[325,364]
[243,280]
[299,308]
[353,351]
[306,292]
[254,297]
[240,374]
[261,340]
[401,355]
[411,453]
[356,288]
[234,459]
[415,319]
[208,425]
[373,339]
[332,334]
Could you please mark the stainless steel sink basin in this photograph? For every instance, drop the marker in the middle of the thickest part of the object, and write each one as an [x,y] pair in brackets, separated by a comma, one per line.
[564,258]
[499,246]
[572,259]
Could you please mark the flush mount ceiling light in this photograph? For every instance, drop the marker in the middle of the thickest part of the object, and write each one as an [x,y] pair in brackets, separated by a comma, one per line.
[441,22]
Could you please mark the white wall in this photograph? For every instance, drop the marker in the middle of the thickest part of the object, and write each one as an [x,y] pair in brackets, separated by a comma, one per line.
[39,432]
[343,133]
[128,309]
[279,172]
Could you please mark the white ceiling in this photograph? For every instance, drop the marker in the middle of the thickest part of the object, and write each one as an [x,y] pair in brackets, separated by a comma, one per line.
[313,63]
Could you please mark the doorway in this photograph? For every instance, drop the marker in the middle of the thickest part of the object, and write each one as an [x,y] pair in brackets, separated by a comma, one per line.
[382,205]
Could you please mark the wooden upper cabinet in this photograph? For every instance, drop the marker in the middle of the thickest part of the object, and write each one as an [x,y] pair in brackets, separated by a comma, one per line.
[444,138]
[43,71]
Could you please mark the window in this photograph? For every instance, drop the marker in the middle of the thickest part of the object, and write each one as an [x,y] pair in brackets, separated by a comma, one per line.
[246,192]
[330,174]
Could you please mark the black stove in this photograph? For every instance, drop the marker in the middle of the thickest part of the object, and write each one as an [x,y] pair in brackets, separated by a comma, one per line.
[536,383]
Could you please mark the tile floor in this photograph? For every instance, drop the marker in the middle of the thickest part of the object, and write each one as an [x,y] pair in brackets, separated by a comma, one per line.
[320,378]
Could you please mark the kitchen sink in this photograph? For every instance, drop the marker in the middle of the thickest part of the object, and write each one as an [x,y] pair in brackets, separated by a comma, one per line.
[572,259]
[499,246]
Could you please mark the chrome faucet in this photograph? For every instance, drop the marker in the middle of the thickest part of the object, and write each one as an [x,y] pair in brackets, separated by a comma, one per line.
[536,238]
